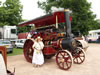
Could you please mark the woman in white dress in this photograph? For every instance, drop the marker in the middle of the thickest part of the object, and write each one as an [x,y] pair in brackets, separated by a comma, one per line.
[38,58]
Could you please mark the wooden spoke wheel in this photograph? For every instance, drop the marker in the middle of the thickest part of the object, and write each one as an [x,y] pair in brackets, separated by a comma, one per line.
[28,50]
[79,56]
[64,60]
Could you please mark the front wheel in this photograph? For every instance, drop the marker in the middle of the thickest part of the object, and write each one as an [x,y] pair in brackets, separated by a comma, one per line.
[64,60]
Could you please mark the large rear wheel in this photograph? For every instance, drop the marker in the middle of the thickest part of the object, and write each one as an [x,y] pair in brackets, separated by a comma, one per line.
[28,50]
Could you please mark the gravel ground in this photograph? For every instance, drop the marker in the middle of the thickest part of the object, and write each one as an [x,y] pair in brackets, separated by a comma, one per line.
[91,65]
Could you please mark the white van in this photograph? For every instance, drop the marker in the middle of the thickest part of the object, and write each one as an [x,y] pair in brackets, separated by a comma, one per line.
[94,35]
[20,43]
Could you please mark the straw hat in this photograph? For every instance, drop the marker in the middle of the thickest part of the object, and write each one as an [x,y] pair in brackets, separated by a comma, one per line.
[38,38]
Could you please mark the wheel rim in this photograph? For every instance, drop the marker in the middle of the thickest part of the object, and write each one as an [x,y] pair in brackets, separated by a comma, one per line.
[79,56]
[28,50]
[64,60]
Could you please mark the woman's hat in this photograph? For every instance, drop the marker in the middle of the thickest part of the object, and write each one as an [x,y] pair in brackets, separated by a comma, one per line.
[39,38]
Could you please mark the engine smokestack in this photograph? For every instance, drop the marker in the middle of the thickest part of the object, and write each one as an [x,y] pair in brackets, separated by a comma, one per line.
[67,23]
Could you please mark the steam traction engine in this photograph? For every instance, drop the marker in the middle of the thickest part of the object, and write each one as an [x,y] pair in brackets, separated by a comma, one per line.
[57,42]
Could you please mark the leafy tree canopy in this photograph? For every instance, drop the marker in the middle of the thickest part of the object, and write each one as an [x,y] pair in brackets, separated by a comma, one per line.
[83,18]
[10,12]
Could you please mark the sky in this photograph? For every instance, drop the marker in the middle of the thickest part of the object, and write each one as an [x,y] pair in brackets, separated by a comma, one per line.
[95,7]
[31,10]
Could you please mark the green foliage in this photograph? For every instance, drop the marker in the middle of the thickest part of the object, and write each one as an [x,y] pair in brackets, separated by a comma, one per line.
[24,29]
[83,18]
[10,13]
[3,16]
[97,26]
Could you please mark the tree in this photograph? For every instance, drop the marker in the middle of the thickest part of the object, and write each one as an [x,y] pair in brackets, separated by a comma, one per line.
[10,13]
[0,2]
[83,18]
[2,15]
[24,29]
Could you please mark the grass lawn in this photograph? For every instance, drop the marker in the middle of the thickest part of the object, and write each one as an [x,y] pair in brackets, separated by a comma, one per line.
[16,51]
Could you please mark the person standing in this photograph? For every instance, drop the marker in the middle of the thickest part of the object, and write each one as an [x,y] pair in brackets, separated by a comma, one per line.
[38,58]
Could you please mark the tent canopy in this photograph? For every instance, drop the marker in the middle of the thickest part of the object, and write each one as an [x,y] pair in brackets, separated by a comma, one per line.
[46,20]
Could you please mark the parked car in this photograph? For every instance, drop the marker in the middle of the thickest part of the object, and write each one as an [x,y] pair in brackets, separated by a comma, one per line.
[19,43]
[7,44]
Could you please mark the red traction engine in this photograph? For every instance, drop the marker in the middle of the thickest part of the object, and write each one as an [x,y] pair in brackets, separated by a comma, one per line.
[57,42]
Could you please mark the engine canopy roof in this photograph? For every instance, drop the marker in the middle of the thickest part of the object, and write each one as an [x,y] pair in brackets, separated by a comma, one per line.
[46,20]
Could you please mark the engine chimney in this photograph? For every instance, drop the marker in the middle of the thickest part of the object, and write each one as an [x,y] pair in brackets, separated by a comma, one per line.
[67,23]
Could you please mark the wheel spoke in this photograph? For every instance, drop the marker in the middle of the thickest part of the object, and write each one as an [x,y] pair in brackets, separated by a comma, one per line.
[61,54]
[69,61]
[59,62]
[67,64]
[63,64]
[80,59]
[76,60]
[64,54]
[60,58]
